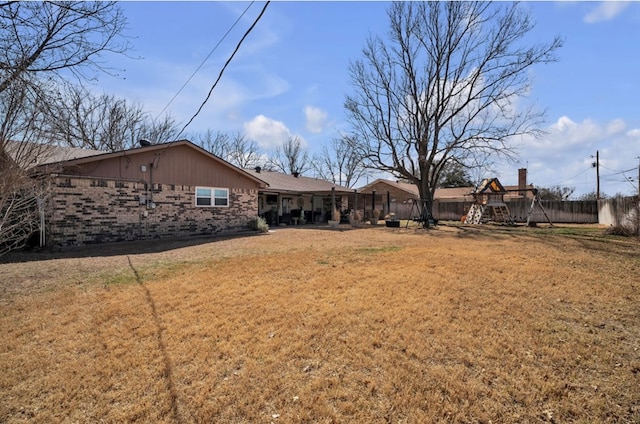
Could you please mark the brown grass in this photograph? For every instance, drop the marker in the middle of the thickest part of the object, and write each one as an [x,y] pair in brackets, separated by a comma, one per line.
[457,324]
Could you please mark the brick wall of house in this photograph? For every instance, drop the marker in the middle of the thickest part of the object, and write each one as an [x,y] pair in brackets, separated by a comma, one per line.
[90,210]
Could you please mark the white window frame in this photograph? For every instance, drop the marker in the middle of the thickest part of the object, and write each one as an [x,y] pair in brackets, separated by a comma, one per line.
[215,200]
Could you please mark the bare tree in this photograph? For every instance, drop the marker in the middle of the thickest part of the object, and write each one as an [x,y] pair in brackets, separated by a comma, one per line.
[291,157]
[446,85]
[340,162]
[22,115]
[22,198]
[104,122]
[217,143]
[47,39]
[556,193]
[236,149]
[243,152]
[41,44]
[158,130]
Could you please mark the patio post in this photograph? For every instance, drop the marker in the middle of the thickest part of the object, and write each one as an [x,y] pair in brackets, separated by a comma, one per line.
[373,201]
[333,201]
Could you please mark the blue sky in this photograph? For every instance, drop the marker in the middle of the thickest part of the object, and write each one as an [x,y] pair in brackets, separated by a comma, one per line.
[290,77]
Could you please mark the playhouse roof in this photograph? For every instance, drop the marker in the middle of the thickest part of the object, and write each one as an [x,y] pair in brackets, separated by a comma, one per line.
[490,184]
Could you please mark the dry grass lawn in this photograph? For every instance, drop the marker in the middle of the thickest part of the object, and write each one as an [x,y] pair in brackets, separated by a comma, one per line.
[458,324]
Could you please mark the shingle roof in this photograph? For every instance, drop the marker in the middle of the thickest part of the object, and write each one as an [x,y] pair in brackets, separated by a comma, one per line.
[412,190]
[29,155]
[279,182]
[441,193]
[158,146]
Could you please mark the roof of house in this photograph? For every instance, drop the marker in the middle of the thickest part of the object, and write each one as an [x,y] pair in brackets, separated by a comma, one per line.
[441,193]
[412,190]
[152,147]
[285,183]
[29,155]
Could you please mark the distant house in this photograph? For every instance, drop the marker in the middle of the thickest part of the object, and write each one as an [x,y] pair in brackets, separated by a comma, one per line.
[295,199]
[401,198]
[159,190]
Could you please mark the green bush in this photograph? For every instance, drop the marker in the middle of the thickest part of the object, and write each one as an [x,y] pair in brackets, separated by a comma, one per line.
[259,224]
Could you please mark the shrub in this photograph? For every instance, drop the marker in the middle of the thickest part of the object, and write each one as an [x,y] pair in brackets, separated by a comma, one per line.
[620,230]
[259,224]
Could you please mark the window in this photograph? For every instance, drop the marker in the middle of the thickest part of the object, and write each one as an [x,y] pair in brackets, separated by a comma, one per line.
[207,196]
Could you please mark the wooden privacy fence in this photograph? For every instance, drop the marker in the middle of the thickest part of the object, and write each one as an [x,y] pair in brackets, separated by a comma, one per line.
[607,212]
[576,212]
[619,211]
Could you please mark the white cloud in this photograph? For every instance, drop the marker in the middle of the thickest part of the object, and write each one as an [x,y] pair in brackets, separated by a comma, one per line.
[634,133]
[565,154]
[267,132]
[316,119]
[572,133]
[605,11]
[616,126]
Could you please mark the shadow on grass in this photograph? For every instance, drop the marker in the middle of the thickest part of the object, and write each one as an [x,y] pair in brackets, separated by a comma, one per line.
[155,245]
[607,245]
[489,231]
[167,373]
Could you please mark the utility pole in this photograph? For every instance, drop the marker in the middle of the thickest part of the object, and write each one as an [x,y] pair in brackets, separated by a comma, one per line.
[596,164]
[597,175]
[638,205]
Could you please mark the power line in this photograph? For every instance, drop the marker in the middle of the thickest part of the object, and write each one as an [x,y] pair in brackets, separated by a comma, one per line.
[205,60]
[225,67]
[616,171]
[571,178]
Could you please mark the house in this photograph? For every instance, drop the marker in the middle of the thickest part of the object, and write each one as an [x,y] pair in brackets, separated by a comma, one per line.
[402,198]
[295,199]
[158,190]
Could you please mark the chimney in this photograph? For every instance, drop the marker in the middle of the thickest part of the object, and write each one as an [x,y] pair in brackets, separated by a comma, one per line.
[258,169]
[522,181]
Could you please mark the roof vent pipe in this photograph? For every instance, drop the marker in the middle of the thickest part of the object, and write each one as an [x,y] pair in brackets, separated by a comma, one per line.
[258,169]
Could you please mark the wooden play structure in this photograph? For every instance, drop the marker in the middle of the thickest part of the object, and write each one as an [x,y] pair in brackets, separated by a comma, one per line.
[489,204]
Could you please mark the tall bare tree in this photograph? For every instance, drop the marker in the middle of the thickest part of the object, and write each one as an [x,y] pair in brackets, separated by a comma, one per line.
[216,143]
[104,122]
[340,162]
[244,152]
[291,157]
[47,39]
[41,44]
[447,84]
[236,148]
